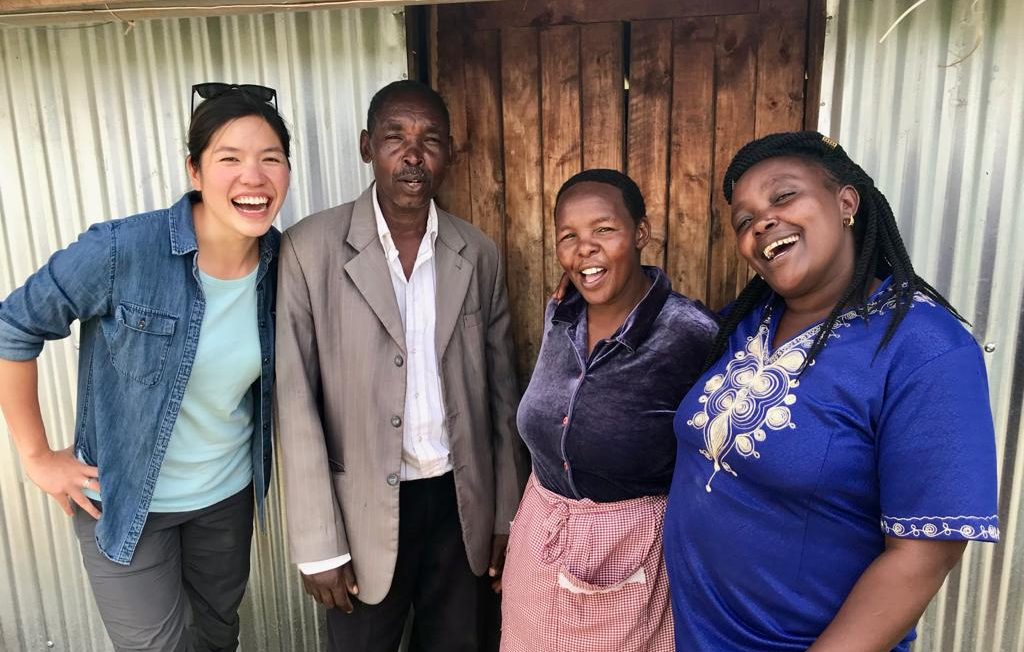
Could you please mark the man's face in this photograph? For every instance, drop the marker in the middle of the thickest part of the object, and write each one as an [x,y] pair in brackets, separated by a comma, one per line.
[410,149]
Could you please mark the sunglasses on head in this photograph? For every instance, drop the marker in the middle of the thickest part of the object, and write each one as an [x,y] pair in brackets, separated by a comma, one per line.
[210,90]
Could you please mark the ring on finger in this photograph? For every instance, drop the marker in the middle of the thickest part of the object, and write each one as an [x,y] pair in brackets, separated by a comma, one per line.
[85,483]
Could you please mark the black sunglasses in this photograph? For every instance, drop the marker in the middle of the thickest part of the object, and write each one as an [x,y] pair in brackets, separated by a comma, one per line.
[210,90]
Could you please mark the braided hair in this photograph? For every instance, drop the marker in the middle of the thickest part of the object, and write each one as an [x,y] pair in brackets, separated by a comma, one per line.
[880,251]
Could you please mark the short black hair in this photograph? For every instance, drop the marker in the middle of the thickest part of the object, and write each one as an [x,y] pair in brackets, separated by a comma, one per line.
[631,195]
[880,250]
[214,113]
[405,88]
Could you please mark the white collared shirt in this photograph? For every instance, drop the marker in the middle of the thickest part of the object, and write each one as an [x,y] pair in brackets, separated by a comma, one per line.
[425,448]
[425,452]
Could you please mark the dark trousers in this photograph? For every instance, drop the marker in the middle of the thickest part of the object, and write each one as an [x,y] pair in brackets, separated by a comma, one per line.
[432,576]
[186,580]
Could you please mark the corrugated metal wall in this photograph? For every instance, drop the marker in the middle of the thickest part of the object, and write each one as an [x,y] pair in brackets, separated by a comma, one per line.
[92,127]
[936,115]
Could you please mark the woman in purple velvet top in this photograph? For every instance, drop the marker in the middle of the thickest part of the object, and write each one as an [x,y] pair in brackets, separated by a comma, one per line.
[585,568]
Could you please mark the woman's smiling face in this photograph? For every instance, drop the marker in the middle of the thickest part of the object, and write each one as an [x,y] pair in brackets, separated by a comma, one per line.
[790,222]
[598,243]
[243,176]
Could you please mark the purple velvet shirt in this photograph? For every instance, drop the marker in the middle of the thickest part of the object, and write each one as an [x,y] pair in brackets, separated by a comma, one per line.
[600,426]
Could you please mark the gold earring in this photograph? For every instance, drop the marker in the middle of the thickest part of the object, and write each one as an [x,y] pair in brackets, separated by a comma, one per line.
[848,221]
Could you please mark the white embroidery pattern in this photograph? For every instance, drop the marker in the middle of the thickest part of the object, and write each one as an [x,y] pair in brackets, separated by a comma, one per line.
[756,390]
[983,528]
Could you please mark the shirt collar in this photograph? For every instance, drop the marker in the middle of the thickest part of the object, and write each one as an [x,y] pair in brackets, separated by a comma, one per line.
[638,323]
[384,233]
[183,230]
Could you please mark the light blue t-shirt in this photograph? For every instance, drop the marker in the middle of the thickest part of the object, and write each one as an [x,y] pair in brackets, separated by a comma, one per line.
[209,456]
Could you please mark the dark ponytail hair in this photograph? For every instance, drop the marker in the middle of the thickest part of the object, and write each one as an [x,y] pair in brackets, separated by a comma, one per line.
[234,103]
[880,251]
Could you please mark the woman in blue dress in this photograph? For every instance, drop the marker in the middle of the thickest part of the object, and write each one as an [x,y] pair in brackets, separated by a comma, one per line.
[172,442]
[838,453]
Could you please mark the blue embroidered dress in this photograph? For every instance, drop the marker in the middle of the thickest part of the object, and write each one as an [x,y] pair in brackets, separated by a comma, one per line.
[785,486]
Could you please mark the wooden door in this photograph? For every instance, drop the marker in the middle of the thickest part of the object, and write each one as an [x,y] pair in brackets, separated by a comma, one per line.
[666,90]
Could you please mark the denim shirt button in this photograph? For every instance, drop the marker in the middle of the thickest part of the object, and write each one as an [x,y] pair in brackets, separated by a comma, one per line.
[266,359]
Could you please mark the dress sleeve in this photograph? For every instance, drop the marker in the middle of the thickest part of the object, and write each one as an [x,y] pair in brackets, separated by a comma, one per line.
[936,452]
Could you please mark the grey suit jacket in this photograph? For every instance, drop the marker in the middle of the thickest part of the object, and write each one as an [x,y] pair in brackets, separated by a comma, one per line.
[341,383]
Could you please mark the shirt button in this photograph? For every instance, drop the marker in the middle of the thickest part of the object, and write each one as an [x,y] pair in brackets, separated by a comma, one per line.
[262,323]
[399,361]
[392,479]
[266,359]
[396,421]
[142,323]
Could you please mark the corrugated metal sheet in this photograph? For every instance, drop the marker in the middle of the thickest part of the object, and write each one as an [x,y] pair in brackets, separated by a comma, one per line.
[935,115]
[92,127]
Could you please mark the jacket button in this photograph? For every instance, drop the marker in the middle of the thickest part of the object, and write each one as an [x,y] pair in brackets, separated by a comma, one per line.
[399,361]
[396,421]
[392,479]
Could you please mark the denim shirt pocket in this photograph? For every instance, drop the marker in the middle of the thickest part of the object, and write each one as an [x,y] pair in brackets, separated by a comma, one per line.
[138,338]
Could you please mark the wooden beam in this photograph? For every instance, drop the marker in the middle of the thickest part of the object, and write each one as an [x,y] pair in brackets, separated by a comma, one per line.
[43,12]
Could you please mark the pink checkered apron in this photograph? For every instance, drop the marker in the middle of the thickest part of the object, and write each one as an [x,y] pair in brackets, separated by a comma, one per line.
[585,577]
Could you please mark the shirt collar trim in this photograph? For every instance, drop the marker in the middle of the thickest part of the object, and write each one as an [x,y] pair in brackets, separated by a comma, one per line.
[638,322]
[384,233]
[183,230]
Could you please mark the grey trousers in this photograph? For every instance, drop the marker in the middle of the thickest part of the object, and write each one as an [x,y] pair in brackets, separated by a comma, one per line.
[182,589]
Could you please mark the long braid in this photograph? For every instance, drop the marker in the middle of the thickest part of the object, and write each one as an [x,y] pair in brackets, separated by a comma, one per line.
[879,248]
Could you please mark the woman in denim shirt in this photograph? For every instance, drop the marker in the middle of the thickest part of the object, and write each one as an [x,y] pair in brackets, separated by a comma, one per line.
[585,568]
[172,428]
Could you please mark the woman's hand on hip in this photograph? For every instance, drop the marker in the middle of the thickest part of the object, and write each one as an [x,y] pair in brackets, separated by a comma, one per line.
[61,475]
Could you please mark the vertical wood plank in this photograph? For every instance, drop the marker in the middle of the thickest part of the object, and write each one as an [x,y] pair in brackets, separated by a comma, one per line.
[816,21]
[781,66]
[483,134]
[454,196]
[524,203]
[690,182]
[603,91]
[650,96]
[735,74]
[560,127]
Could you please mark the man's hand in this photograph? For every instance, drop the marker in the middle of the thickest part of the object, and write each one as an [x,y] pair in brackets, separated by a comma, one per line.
[498,547]
[331,588]
[563,287]
[62,476]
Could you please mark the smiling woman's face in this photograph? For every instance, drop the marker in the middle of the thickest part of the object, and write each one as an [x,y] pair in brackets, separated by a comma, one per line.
[789,221]
[598,243]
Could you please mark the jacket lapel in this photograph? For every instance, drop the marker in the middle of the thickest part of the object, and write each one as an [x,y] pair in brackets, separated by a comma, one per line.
[453,276]
[369,270]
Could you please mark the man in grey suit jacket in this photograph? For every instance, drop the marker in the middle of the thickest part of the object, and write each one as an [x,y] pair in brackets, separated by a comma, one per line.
[396,395]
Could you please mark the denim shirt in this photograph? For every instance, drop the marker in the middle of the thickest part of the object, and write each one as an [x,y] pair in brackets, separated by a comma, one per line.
[599,425]
[133,284]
